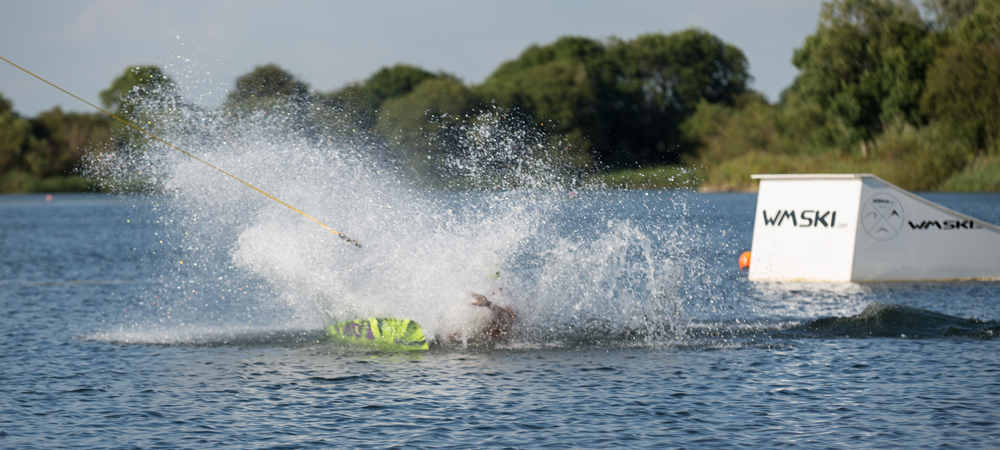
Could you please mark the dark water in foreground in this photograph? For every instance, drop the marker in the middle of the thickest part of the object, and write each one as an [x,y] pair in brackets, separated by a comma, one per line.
[752,367]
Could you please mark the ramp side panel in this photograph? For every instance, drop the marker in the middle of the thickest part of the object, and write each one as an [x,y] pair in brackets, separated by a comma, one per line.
[805,229]
[905,237]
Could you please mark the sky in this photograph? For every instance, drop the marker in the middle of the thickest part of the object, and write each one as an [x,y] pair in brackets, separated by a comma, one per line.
[83,45]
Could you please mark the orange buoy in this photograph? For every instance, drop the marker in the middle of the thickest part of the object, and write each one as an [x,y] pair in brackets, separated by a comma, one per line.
[745,260]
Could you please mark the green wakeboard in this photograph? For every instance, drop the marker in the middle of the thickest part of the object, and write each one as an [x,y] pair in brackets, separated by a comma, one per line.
[389,335]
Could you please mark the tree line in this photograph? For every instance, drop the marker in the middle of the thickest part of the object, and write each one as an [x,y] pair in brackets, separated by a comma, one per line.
[883,86]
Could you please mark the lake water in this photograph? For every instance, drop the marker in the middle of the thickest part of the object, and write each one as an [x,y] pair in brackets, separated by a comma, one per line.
[144,322]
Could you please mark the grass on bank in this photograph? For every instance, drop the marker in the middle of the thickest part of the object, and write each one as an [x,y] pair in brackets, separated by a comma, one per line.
[982,175]
[18,182]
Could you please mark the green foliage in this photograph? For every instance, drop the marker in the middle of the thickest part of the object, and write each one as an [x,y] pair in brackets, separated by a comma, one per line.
[387,83]
[918,159]
[15,135]
[650,85]
[558,91]
[61,138]
[865,63]
[422,126]
[734,173]
[623,101]
[862,74]
[675,72]
[880,90]
[559,97]
[140,95]
[913,158]
[947,14]
[963,94]
[264,82]
[654,177]
[555,86]
[19,182]
[134,84]
[339,113]
[794,136]
[391,82]
[982,175]
[983,25]
[48,147]
[571,48]
[796,126]
[355,108]
[961,90]
[270,90]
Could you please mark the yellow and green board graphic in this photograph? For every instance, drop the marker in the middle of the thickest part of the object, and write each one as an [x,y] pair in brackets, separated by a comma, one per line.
[380,334]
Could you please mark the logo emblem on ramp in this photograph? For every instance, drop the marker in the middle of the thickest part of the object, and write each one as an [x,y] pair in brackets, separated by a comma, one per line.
[882,217]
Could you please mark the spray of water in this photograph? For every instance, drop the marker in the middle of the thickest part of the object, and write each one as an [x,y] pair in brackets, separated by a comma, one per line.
[575,269]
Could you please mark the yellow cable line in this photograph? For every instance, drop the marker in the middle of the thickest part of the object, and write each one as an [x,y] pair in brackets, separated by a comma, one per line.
[339,234]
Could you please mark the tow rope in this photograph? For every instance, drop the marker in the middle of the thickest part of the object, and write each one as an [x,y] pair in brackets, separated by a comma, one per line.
[130,124]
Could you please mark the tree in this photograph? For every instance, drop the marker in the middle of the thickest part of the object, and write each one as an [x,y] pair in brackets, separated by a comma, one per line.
[422,126]
[49,145]
[623,101]
[133,85]
[558,94]
[143,95]
[947,14]
[15,134]
[264,82]
[387,83]
[792,127]
[337,112]
[650,85]
[269,89]
[962,92]
[60,139]
[865,63]
[983,25]
[574,48]
[554,85]
[395,81]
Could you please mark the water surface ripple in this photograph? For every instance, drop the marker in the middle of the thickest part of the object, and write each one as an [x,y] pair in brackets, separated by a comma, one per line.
[87,362]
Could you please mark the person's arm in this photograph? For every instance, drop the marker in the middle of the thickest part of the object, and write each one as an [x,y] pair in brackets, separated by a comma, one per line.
[481,300]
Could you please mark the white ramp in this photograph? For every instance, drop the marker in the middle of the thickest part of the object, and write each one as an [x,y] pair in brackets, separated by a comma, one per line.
[858,227]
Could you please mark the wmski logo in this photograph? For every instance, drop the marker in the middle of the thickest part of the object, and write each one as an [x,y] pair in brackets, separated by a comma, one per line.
[945,225]
[882,216]
[807,218]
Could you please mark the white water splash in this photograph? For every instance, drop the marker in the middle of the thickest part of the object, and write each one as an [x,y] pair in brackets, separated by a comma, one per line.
[235,256]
